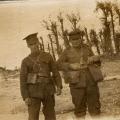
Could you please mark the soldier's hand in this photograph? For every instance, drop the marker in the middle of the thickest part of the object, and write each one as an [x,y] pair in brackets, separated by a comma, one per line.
[58,91]
[28,101]
[75,66]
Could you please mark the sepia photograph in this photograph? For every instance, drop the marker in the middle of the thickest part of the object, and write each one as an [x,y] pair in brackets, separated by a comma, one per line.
[59,59]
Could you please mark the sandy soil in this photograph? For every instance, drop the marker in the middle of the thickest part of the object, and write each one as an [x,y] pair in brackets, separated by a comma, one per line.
[13,108]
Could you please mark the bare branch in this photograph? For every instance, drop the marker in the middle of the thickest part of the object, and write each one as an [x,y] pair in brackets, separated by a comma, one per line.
[46,25]
[74,19]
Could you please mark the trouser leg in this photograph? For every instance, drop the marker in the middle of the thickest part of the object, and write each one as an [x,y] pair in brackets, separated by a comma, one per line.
[79,101]
[34,109]
[48,107]
[93,101]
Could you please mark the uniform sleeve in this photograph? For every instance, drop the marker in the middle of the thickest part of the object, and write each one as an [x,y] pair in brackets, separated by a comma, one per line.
[55,73]
[62,62]
[23,80]
[96,58]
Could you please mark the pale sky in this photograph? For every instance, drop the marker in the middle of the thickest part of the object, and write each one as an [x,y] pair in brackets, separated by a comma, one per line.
[17,20]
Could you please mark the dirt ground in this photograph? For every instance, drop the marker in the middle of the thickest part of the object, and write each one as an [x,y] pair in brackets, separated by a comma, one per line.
[12,106]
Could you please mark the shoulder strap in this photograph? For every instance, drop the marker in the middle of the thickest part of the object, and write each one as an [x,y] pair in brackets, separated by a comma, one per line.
[34,61]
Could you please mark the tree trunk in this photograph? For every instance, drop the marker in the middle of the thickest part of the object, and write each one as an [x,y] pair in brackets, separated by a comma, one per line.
[57,44]
[55,33]
[64,35]
[107,41]
[48,48]
[102,46]
[74,25]
[52,48]
[88,40]
[43,48]
[113,30]
[119,18]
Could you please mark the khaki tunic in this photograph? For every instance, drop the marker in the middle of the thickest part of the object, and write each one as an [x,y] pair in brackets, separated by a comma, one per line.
[72,55]
[42,63]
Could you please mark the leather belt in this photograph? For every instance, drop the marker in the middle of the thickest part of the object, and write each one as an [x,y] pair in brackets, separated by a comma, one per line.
[42,79]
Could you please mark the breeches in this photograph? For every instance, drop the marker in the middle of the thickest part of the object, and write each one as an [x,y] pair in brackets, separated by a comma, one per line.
[86,97]
[48,108]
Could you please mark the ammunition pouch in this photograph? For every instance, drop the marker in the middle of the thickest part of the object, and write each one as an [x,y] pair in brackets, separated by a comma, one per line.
[95,60]
[71,76]
[34,78]
[96,72]
[31,79]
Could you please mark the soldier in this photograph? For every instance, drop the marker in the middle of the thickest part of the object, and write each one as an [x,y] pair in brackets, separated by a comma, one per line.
[75,62]
[38,79]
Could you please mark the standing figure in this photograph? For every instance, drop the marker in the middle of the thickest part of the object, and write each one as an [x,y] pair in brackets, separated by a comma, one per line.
[76,64]
[38,79]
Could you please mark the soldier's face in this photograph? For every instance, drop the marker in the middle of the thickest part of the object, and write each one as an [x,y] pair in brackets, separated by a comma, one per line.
[34,47]
[76,42]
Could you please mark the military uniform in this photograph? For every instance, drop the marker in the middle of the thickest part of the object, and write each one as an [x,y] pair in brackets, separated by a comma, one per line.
[83,88]
[38,78]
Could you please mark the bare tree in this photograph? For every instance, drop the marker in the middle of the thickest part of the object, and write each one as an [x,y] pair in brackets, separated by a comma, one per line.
[109,8]
[118,42]
[87,37]
[117,10]
[74,20]
[42,43]
[102,42]
[52,48]
[64,32]
[48,48]
[101,6]
[52,27]
[107,40]
[94,39]
[106,25]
